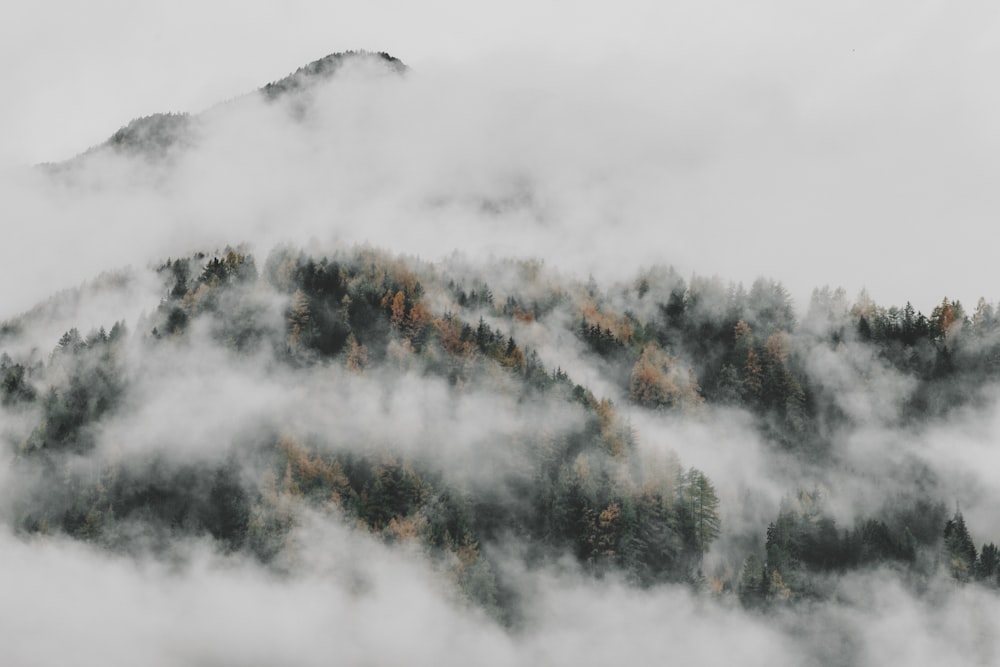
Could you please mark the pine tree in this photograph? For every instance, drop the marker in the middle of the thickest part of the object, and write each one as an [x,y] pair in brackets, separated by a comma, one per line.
[702,508]
[961,550]
[754,582]
[989,563]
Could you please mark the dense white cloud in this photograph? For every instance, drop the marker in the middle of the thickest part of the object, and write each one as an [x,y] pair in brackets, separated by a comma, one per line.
[781,139]
[354,601]
[351,601]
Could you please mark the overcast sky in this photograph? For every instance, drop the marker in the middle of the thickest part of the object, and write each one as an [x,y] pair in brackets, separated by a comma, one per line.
[849,143]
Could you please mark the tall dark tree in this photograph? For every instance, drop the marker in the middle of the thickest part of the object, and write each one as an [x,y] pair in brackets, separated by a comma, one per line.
[960,548]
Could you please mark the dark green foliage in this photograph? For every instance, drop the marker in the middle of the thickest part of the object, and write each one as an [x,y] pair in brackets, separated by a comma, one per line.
[699,509]
[223,295]
[769,307]
[321,284]
[325,68]
[394,491]
[754,582]
[873,543]
[177,321]
[449,517]
[190,499]
[864,329]
[535,374]
[989,563]
[657,545]
[164,499]
[919,516]
[601,341]
[15,383]
[152,136]
[181,273]
[478,297]
[652,536]
[93,386]
[960,548]
[821,547]
[804,542]
[227,513]
[581,489]
[71,342]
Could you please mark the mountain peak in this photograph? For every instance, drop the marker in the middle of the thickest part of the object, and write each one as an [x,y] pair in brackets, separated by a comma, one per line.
[155,135]
[326,67]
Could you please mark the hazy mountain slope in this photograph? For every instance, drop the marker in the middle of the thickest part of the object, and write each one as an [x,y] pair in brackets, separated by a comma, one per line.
[563,466]
[328,450]
[155,136]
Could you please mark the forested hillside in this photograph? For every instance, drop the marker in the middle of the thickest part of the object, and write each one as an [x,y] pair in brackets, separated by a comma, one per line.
[438,419]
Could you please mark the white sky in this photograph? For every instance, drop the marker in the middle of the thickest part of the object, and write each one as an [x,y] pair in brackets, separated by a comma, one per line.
[850,143]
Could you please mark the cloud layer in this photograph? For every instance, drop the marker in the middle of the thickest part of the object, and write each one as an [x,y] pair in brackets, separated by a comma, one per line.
[779,140]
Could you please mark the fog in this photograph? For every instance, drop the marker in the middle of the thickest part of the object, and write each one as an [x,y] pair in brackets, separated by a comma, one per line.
[715,138]
[356,602]
[841,146]
[351,601]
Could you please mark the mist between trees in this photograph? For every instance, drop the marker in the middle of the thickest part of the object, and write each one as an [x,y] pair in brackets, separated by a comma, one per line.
[446,412]
[338,453]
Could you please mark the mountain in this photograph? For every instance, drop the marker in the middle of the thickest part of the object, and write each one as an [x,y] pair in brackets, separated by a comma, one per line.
[326,67]
[341,449]
[156,135]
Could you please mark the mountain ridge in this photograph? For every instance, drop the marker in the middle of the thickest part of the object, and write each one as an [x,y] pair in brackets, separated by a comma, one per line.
[154,135]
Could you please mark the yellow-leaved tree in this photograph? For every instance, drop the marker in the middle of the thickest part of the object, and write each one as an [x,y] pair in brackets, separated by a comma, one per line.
[658,381]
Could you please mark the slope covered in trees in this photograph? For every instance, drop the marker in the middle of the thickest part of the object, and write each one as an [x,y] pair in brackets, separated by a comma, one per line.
[534,457]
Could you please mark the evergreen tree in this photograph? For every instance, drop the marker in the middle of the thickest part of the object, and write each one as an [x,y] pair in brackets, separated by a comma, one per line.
[989,563]
[754,582]
[960,548]
[702,508]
